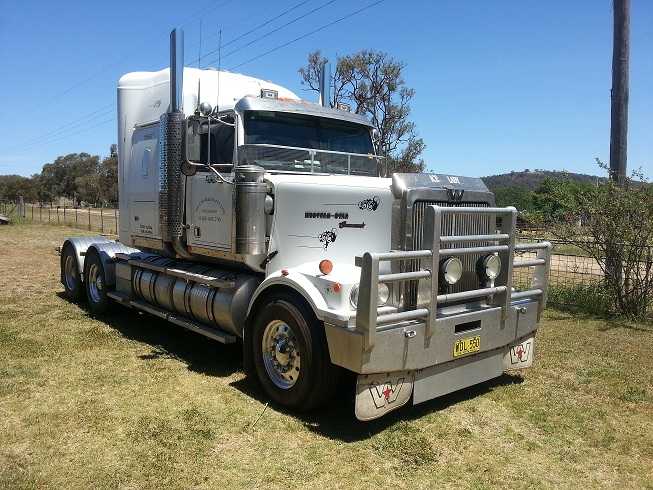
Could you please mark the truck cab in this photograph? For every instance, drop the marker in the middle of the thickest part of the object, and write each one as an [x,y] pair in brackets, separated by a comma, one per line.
[247,214]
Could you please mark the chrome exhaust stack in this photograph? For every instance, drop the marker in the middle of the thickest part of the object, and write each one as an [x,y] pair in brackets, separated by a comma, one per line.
[176,70]
[171,157]
[325,84]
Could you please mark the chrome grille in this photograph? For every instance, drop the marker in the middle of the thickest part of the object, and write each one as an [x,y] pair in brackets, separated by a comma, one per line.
[451,225]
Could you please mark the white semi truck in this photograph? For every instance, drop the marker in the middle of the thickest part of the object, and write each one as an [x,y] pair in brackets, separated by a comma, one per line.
[247,214]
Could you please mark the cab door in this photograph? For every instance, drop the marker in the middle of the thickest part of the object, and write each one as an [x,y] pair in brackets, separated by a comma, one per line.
[144,182]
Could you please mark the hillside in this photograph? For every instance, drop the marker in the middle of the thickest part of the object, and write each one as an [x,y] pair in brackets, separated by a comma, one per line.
[531,179]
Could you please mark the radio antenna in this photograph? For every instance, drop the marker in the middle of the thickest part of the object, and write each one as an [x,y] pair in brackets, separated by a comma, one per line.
[199,53]
[217,102]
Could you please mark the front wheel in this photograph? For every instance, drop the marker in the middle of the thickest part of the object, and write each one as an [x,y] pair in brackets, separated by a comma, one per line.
[95,282]
[291,357]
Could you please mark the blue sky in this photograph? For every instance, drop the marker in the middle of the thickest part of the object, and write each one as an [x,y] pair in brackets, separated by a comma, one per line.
[501,85]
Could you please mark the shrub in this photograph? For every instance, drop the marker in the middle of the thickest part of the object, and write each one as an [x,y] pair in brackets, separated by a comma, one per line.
[613,223]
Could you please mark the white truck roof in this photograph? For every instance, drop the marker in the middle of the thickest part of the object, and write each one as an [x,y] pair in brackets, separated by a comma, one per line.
[144,96]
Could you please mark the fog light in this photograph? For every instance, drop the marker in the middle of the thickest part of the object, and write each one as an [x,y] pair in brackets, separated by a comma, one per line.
[451,270]
[353,297]
[382,297]
[384,294]
[489,266]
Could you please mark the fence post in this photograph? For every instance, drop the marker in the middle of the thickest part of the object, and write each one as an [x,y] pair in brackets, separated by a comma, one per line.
[101,219]
[115,218]
[75,216]
[49,212]
[89,218]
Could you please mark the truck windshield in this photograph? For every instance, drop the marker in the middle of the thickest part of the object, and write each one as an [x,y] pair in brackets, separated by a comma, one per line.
[298,142]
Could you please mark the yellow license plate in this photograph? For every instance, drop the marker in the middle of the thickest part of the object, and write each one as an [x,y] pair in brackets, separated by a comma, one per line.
[466,346]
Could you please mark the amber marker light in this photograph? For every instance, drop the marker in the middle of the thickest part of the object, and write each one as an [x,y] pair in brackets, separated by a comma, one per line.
[337,287]
[326,266]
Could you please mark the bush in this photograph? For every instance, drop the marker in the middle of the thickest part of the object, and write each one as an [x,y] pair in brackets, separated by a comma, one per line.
[613,223]
[593,298]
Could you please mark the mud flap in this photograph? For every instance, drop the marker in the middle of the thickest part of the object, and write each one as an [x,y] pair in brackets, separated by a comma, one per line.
[380,393]
[520,355]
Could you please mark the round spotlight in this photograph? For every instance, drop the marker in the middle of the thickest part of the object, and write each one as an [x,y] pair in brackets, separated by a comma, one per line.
[451,270]
[490,266]
[384,294]
[205,108]
[382,297]
[353,297]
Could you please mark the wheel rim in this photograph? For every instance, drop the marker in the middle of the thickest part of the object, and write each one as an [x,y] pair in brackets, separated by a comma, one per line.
[281,354]
[70,273]
[95,283]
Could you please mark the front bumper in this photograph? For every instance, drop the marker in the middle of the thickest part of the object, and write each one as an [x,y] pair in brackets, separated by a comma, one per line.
[408,347]
[380,393]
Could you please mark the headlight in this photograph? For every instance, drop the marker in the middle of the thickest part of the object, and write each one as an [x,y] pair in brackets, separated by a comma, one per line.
[451,270]
[383,296]
[489,266]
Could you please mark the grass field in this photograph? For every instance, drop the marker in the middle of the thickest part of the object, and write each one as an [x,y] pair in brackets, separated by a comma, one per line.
[129,401]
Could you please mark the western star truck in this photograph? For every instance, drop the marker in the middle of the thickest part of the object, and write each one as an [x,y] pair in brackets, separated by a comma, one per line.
[249,215]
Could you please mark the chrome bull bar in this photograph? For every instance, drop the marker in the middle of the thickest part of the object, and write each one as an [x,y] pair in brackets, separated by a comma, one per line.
[369,316]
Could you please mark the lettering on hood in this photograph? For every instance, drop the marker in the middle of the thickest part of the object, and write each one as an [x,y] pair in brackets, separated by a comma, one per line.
[368,204]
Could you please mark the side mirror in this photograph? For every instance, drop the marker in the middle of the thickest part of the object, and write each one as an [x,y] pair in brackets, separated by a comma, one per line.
[199,148]
[193,140]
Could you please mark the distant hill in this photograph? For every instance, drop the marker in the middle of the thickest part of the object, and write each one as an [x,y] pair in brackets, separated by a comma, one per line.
[531,179]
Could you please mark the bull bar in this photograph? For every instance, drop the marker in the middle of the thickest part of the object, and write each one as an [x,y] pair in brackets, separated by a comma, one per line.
[369,316]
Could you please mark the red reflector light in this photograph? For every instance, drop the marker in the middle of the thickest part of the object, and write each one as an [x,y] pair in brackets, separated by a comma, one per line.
[326,266]
[337,287]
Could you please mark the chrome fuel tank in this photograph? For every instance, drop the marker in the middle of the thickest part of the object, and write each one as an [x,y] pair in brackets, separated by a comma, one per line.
[168,284]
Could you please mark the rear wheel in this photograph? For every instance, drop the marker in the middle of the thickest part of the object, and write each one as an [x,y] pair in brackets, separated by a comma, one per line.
[72,282]
[95,282]
[290,354]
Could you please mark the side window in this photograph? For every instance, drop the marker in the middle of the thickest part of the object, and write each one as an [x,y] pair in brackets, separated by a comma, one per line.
[145,162]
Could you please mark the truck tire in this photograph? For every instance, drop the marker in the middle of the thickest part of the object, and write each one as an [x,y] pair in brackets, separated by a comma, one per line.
[70,277]
[95,282]
[290,354]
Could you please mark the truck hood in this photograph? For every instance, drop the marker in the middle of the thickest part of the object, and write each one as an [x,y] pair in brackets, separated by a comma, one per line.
[328,217]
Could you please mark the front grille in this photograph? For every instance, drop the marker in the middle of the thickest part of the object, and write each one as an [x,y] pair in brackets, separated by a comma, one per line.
[465,224]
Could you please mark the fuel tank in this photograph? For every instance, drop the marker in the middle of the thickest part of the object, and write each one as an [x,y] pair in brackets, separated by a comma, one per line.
[168,284]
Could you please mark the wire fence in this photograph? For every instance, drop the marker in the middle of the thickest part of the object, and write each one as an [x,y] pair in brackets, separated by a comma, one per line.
[571,267]
[101,219]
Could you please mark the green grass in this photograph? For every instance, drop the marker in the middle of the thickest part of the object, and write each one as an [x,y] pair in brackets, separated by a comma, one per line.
[130,401]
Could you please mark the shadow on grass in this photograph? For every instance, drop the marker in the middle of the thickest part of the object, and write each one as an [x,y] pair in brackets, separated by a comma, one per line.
[564,312]
[336,420]
[168,341]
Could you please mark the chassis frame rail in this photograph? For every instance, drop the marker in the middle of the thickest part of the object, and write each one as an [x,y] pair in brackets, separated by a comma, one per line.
[369,316]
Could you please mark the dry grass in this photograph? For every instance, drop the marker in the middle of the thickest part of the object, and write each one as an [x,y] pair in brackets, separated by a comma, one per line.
[129,401]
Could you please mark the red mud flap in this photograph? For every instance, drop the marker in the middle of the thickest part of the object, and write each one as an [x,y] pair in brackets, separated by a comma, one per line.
[520,355]
[378,394]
